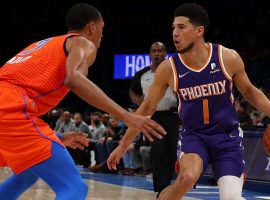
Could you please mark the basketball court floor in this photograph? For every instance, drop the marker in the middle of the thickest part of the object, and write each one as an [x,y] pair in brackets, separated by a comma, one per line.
[122,187]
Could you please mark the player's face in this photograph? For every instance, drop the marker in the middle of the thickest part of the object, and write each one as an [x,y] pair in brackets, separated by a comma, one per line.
[184,34]
[98,32]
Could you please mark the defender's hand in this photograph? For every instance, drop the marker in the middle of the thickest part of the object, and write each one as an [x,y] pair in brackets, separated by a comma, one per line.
[75,140]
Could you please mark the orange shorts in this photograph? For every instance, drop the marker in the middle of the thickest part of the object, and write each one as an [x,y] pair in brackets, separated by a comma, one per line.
[25,139]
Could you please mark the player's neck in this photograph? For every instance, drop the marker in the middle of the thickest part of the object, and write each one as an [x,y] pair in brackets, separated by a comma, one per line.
[197,56]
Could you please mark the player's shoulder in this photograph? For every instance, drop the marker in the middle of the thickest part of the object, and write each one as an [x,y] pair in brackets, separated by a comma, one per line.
[165,64]
[228,53]
[80,42]
[232,60]
[164,68]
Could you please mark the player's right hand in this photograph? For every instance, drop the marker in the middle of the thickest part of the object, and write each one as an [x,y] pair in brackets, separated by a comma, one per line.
[145,125]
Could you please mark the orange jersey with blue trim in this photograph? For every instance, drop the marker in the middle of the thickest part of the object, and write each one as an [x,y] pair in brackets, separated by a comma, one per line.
[40,69]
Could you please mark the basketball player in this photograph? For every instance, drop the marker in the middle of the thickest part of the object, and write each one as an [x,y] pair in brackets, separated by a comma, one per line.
[32,83]
[202,75]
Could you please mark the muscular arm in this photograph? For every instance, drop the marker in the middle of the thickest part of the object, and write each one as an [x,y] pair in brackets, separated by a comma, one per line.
[235,68]
[82,54]
[163,77]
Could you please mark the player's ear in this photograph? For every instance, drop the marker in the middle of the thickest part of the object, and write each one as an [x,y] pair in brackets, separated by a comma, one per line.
[91,27]
[200,30]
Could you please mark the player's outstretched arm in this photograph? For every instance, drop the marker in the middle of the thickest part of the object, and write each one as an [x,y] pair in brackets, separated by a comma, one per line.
[161,82]
[82,54]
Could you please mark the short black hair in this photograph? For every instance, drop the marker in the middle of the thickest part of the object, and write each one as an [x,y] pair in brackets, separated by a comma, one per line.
[196,14]
[81,14]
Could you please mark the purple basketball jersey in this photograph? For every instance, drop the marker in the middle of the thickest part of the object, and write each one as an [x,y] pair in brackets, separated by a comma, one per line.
[206,102]
[206,108]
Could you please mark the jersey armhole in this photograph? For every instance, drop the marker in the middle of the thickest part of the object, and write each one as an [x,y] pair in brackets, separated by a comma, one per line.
[222,66]
[175,75]
[64,45]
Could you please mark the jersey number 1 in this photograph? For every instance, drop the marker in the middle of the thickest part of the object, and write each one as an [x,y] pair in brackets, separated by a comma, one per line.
[205,111]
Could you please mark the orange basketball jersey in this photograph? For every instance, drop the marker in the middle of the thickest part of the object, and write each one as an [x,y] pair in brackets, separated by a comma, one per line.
[31,83]
[40,70]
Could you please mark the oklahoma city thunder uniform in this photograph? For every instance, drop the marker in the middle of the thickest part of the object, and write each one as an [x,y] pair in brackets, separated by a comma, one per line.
[31,83]
[206,108]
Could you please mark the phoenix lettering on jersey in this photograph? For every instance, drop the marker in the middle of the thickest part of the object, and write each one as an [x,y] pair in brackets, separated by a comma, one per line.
[210,89]
[18,59]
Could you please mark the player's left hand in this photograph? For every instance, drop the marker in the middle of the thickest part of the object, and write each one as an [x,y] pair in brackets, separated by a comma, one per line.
[75,140]
[115,157]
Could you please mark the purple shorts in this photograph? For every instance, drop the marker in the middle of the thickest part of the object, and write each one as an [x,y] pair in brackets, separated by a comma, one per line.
[224,151]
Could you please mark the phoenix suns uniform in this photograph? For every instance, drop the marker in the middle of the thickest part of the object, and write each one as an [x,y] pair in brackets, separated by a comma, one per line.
[206,108]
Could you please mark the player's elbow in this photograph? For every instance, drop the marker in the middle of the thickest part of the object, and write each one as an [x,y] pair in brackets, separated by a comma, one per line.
[70,81]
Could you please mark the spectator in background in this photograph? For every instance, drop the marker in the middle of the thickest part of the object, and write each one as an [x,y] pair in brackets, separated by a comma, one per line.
[79,125]
[67,123]
[81,157]
[59,121]
[144,148]
[242,114]
[105,119]
[52,117]
[256,118]
[98,130]
[108,143]
[138,154]
[131,159]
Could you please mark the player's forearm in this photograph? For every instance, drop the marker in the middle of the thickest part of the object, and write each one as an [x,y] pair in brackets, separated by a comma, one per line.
[146,109]
[257,99]
[128,138]
[93,95]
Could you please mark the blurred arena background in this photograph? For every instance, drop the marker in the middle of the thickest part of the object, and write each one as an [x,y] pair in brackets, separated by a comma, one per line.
[130,28]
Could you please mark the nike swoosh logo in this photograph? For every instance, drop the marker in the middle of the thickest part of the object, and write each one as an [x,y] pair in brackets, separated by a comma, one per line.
[182,75]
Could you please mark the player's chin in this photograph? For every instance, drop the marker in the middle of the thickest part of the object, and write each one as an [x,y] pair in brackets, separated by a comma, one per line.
[179,49]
